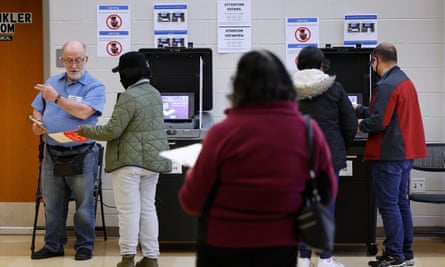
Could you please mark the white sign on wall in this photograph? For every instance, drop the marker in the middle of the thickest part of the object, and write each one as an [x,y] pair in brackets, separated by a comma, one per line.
[300,32]
[234,26]
[113,30]
[170,23]
[360,29]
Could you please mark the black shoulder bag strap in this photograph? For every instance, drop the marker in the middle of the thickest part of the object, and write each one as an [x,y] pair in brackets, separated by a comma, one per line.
[312,182]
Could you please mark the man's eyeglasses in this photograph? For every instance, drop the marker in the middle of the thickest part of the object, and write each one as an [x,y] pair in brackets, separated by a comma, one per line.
[71,61]
[372,61]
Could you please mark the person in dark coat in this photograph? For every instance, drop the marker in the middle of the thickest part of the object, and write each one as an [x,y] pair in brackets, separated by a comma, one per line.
[325,100]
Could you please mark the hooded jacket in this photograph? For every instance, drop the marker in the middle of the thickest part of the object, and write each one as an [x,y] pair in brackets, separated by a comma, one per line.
[325,100]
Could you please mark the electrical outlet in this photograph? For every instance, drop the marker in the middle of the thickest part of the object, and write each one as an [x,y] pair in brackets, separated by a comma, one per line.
[417,185]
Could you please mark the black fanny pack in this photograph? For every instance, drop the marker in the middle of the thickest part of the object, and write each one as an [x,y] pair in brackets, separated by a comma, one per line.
[68,161]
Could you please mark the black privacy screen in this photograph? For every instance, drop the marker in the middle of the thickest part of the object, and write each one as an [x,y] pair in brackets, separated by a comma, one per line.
[352,69]
[177,70]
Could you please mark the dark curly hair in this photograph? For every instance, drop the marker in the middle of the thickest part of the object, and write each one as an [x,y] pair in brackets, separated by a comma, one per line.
[261,77]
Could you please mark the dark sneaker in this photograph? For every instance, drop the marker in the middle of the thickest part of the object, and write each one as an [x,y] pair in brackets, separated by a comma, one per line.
[83,254]
[387,261]
[45,253]
[147,262]
[127,261]
[409,261]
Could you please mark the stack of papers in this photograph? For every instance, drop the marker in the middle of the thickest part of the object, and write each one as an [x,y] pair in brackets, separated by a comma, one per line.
[185,156]
[61,137]
[69,136]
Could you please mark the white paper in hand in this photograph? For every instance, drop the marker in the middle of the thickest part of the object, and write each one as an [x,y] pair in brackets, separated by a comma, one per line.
[186,155]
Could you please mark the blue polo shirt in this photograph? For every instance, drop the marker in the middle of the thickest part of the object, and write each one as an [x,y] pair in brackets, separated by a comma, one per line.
[87,90]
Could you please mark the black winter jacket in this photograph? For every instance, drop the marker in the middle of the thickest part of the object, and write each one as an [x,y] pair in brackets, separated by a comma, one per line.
[325,100]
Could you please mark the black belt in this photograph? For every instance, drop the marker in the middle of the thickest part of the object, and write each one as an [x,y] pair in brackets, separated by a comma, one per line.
[69,148]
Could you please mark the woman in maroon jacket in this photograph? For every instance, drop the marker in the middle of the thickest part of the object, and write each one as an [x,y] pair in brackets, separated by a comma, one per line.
[247,182]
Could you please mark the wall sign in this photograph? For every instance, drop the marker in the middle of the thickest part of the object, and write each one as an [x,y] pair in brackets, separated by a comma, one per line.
[170,25]
[8,21]
[113,35]
[360,29]
[300,32]
[234,26]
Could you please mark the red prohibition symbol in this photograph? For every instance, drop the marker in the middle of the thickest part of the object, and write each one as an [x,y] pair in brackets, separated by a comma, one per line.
[303,34]
[114,22]
[114,48]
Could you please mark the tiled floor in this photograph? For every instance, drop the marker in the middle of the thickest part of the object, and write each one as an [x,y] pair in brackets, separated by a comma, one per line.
[15,252]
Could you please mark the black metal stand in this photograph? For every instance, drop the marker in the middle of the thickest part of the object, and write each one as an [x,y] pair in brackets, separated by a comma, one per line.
[38,193]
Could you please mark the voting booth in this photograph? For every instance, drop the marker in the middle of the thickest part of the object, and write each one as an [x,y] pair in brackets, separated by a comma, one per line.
[183,76]
[355,212]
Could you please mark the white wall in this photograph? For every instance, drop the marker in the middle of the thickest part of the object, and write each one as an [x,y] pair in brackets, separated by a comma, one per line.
[415,27]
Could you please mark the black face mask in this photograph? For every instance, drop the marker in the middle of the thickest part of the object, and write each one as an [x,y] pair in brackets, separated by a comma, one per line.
[130,76]
[125,84]
[127,80]
[375,77]
[375,74]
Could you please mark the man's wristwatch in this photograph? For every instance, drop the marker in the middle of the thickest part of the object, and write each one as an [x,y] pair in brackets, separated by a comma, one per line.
[57,99]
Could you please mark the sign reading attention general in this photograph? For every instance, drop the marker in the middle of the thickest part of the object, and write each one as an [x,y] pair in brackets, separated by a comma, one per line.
[8,21]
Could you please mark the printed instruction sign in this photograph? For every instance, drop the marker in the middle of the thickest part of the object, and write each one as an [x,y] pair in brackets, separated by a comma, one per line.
[170,23]
[234,26]
[113,30]
[360,29]
[300,32]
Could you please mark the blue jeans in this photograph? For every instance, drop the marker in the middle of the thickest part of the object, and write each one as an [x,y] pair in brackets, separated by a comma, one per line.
[57,191]
[390,180]
[307,253]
